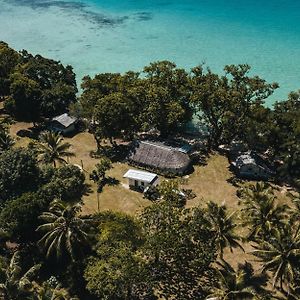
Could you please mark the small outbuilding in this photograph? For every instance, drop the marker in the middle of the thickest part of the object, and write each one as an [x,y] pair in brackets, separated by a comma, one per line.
[158,156]
[140,180]
[252,166]
[64,124]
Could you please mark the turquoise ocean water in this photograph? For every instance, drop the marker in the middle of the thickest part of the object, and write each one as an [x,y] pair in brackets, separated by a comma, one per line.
[117,35]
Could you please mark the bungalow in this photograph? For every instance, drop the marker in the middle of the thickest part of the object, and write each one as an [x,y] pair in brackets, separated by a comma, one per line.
[160,157]
[140,180]
[252,166]
[64,124]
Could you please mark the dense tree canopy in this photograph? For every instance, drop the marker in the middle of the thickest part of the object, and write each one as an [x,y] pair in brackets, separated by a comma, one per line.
[121,105]
[18,173]
[9,58]
[224,103]
[36,86]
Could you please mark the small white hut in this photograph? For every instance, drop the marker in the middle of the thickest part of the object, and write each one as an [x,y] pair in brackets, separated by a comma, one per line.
[140,180]
[64,124]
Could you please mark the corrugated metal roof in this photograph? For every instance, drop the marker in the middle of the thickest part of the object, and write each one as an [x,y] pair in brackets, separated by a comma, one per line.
[65,120]
[140,175]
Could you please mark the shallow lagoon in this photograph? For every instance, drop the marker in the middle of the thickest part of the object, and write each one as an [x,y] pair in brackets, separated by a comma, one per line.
[114,36]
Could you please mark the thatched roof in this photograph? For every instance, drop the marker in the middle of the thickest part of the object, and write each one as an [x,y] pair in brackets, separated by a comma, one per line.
[159,156]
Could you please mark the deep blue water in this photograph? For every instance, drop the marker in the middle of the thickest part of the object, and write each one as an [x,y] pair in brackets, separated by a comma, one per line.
[115,36]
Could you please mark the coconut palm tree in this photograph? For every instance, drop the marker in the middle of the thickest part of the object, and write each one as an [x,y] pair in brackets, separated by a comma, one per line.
[262,214]
[64,231]
[6,141]
[52,149]
[238,285]
[280,254]
[223,224]
[46,292]
[15,284]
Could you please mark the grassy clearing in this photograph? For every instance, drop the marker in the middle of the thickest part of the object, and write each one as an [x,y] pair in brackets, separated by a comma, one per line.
[209,182]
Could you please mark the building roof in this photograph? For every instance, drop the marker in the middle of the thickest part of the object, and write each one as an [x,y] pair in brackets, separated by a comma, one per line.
[65,120]
[140,175]
[159,156]
[245,159]
[251,158]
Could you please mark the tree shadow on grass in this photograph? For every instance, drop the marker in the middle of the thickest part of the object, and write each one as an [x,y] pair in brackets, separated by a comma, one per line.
[115,154]
[111,181]
[31,132]
[87,189]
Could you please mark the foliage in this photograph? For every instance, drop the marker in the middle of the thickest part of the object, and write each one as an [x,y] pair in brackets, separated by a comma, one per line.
[285,135]
[65,233]
[166,97]
[65,183]
[18,173]
[224,226]
[38,87]
[51,148]
[238,284]
[19,216]
[98,175]
[280,254]
[117,271]
[6,141]
[118,106]
[262,214]
[9,58]
[17,284]
[224,103]
[179,248]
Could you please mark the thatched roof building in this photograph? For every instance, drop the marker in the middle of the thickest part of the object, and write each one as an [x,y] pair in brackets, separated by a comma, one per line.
[157,156]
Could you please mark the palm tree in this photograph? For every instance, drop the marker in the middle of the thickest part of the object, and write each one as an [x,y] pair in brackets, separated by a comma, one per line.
[238,285]
[6,141]
[46,292]
[64,231]
[223,224]
[17,285]
[52,149]
[262,214]
[280,255]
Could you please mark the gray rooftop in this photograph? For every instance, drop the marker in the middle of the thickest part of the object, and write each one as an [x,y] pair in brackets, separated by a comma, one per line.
[140,175]
[65,120]
[159,156]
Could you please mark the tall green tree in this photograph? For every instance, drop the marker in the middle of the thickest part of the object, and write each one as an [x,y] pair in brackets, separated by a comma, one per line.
[240,284]
[17,284]
[19,173]
[9,59]
[113,118]
[99,174]
[6,141]
[65,233]
[51,148]
[261,213]
[224,226]
[223,103]
[180,248]
[166,97]
[38,87]
[280,255]
[284,137]
[19,216]
[117,270]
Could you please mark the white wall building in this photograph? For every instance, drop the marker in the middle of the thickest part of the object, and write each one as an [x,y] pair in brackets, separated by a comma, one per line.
[140,179]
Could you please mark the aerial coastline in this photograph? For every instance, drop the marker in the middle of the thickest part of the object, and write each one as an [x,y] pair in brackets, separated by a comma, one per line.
[116,36]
